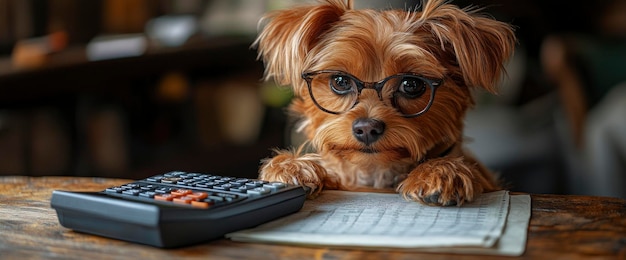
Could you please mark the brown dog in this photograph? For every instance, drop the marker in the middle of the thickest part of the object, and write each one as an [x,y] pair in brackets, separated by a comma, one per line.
[382,96]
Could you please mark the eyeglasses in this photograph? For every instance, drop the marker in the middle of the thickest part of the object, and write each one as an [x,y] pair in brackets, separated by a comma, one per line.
[336,92]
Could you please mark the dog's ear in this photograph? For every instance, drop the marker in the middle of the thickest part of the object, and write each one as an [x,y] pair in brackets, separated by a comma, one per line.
[480,45]
[288,35]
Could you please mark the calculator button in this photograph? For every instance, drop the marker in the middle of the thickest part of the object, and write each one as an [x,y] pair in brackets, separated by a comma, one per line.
[114,190]
[181,192]
[201,204]
[216,198]
[185,182]
[241,189]
[275,185]
[183,200]
[219,182]
[198,195]
[234,184]
[165,197]
[224,187]
[155,178]
[163,190]
[206,185]
[147,187]
[227,195]
[255,184]
[171,180]
[173,174]
[148,194]
[133,192]
[259,191]
[240,181]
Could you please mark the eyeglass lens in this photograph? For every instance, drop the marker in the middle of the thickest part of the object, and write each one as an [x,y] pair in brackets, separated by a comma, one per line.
[337,92]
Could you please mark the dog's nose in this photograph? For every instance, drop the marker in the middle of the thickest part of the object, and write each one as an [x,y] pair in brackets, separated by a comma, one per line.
[368,130]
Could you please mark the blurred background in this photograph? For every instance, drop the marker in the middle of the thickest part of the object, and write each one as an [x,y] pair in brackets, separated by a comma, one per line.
[129,89]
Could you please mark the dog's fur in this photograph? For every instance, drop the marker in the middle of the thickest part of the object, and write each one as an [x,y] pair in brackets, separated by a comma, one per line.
[421,157]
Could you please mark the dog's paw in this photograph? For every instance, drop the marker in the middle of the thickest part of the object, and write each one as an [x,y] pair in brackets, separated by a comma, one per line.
[441,182]
[289,167]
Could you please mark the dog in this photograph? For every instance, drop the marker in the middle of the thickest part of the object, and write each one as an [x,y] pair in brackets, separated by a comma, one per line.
[381,96]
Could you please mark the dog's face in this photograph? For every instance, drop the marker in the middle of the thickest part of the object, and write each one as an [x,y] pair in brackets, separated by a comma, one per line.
[383,87]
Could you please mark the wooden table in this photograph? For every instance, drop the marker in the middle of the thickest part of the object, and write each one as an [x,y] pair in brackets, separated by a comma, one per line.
[561,227]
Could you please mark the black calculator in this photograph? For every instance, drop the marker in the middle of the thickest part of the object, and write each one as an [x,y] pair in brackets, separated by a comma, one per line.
[177,208]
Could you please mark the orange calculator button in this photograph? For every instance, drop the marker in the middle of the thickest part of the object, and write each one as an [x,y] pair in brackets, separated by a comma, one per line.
[165,197]
[201,204]
[198,195]
[183,200]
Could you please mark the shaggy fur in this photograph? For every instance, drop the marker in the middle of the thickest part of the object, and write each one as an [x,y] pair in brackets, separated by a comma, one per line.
[422,157]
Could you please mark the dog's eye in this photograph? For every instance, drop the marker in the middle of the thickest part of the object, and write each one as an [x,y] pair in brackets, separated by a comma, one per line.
[341,84]
[412,87]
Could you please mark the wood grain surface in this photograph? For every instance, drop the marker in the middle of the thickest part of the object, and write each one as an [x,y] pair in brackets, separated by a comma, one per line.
[561,227]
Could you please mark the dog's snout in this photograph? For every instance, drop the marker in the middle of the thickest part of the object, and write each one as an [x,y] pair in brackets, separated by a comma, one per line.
[368,130]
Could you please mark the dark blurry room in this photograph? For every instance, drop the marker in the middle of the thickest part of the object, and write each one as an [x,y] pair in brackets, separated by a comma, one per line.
[129,89]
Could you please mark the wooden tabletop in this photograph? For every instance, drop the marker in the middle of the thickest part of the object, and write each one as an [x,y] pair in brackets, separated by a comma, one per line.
[561,227]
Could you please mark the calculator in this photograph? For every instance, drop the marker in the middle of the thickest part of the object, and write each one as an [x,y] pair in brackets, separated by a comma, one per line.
[177,208]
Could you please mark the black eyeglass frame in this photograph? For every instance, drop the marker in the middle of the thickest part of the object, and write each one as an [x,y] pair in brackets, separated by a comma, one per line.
[377,86]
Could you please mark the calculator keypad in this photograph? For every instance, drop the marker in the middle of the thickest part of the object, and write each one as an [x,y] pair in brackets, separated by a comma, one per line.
[195,189]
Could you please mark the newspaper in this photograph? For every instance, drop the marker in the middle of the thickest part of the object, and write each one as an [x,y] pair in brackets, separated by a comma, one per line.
[382,220]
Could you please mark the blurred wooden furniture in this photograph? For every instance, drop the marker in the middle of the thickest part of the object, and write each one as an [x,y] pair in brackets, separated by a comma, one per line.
[70,71]
[153,132]
[561,227]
